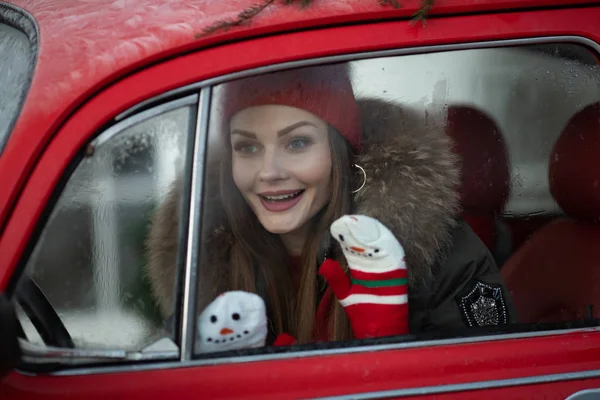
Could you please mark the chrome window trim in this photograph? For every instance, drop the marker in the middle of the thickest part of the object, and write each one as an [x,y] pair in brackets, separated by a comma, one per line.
[117,128]
[193,243]
[329,352]
[360,56]
[463,387]
[585,394]
[186,362]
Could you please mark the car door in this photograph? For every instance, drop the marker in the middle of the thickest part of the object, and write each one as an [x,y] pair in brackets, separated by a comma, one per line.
[74,247]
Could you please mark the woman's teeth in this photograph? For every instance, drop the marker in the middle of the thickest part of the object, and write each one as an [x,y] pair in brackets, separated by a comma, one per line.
[282,196]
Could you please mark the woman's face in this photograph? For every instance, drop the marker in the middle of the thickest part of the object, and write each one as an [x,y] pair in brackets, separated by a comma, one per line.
[281,164]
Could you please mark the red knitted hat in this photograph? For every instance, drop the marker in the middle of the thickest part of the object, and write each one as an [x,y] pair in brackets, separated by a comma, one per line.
[325,91]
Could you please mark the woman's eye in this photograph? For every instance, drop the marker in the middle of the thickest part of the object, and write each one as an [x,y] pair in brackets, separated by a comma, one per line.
[246,148]
[298,144]
[249,149]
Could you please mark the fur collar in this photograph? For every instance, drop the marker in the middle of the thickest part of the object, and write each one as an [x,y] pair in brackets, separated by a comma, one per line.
[412,182]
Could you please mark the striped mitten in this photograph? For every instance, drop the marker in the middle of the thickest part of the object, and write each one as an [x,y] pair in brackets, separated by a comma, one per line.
[375,295]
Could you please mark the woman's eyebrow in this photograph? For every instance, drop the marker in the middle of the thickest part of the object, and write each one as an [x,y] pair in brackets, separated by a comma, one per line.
[290,128]
[243,133]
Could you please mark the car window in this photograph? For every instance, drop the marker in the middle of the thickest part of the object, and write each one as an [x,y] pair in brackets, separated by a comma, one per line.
[88,267]
[16,68]
[392,198]
[451,167]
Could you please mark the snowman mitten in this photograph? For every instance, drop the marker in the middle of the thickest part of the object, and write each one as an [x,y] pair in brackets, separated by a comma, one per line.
[375,296]
[234,320]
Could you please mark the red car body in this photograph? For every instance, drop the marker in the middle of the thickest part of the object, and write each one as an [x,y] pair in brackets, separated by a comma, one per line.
[98,59]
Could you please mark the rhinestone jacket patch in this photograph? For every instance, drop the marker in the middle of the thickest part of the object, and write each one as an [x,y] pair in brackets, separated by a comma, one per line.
[484,305]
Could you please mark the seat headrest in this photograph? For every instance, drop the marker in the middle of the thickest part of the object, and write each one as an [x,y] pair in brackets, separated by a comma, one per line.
[485,172]
[574,170]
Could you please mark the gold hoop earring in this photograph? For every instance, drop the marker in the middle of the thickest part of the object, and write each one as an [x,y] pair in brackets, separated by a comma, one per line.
[364,178]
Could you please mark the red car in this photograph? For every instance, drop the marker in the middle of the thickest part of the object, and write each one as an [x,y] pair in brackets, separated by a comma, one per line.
[104,103]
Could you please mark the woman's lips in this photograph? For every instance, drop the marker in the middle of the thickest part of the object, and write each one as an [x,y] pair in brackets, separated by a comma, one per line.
[280,205]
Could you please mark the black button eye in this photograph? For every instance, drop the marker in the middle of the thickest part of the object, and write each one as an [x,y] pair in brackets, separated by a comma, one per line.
[376,250]
[213,318]
[341,237]
[235,316]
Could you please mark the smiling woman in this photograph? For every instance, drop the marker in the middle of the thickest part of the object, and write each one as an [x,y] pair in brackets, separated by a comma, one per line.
[300,152]
[295,119]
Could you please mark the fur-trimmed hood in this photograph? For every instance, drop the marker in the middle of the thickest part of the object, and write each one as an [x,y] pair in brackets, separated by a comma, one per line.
[412,182]
[411,187]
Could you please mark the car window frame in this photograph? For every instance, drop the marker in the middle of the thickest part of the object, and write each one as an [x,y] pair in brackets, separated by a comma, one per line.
[202,91]
[194,236]
[376,344]
[37,358]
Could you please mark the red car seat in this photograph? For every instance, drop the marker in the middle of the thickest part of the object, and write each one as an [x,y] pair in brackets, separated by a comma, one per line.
[555,275]
[485,177]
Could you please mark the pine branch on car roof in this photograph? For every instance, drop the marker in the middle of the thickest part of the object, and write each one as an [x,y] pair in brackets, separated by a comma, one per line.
[246,15]
[423,12]
[392,3]
[303,3]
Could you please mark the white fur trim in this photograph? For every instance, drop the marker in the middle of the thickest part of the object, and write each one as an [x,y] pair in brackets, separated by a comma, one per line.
[373,299]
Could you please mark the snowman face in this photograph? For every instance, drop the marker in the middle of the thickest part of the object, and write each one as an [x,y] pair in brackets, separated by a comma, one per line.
[367,244]
[234,320]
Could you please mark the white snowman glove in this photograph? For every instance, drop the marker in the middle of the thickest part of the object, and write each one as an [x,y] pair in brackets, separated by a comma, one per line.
[234,320]
[375,296]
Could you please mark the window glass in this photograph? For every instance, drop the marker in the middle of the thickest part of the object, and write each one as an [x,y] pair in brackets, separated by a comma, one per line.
[90,260]
[15,70]
[469,177]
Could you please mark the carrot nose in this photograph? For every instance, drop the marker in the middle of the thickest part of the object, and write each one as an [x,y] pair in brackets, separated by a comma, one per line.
[226,331]
[358,249]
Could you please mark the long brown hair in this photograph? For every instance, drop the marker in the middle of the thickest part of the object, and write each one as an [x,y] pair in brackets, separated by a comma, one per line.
[259,262]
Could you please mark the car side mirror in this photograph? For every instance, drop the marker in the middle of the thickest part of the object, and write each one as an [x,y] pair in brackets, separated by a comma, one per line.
[10,351]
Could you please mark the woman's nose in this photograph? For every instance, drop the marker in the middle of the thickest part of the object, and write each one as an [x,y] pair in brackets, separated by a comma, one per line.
[272,168]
